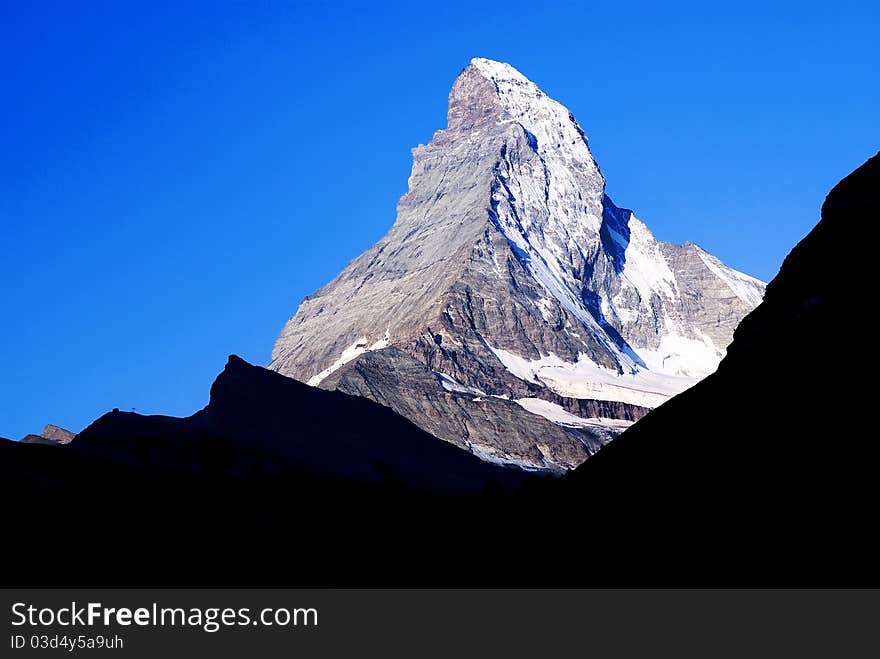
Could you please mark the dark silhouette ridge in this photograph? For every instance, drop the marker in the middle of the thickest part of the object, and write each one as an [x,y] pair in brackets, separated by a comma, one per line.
[763,474]
[770,459]
[259,420]
[273,480]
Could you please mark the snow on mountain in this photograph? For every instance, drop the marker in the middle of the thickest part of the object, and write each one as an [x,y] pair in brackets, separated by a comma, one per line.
[552,221]
[359,347]
[509,275]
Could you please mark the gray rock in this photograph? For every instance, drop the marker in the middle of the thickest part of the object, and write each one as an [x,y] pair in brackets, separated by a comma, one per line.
[51,435]
[57,434]
[496,429]
[510,271]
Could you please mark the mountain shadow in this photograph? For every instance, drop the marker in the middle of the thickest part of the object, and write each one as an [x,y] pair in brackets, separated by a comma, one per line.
[614,232]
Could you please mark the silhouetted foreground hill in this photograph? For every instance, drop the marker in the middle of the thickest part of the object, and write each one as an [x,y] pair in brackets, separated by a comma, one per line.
[778,471]
[261,424]
[744,479]
[273,480]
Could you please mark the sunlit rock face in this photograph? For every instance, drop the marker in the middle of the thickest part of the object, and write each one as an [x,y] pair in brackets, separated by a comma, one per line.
[512,308]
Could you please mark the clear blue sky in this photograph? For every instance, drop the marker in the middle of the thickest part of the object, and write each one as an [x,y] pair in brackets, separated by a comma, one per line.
[174,181]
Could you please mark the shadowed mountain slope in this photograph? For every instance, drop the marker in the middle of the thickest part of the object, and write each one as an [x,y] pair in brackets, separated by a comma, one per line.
[784,465]
[259,422]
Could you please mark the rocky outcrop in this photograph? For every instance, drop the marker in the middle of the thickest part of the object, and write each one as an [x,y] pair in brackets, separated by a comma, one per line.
[57,434]
[509,271]
[261,424]
[495,429]
[52,435]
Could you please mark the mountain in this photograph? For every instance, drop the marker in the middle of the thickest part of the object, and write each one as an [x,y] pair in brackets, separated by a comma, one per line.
[513,309]
[743,479]
[260,423]
[52,435]
[775,476]
[271,477]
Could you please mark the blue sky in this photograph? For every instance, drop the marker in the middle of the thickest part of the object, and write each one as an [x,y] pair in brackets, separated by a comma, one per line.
[173,181]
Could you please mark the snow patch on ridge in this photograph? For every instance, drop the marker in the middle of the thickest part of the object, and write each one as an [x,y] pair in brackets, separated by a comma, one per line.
[586,379]
[546,309]
[490,454]
[748,289]
[679,355]
[359,347]
[556,414]
[645,267]
[451,384]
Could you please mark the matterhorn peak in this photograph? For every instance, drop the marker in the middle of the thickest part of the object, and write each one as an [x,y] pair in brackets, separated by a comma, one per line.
[502,71]
[487,90]
[512,308]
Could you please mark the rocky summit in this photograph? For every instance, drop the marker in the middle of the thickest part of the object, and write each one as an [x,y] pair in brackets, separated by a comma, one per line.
[513,309]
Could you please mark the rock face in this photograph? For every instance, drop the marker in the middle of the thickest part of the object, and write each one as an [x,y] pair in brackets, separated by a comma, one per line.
[52,435]
[509,272]
[494,429]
